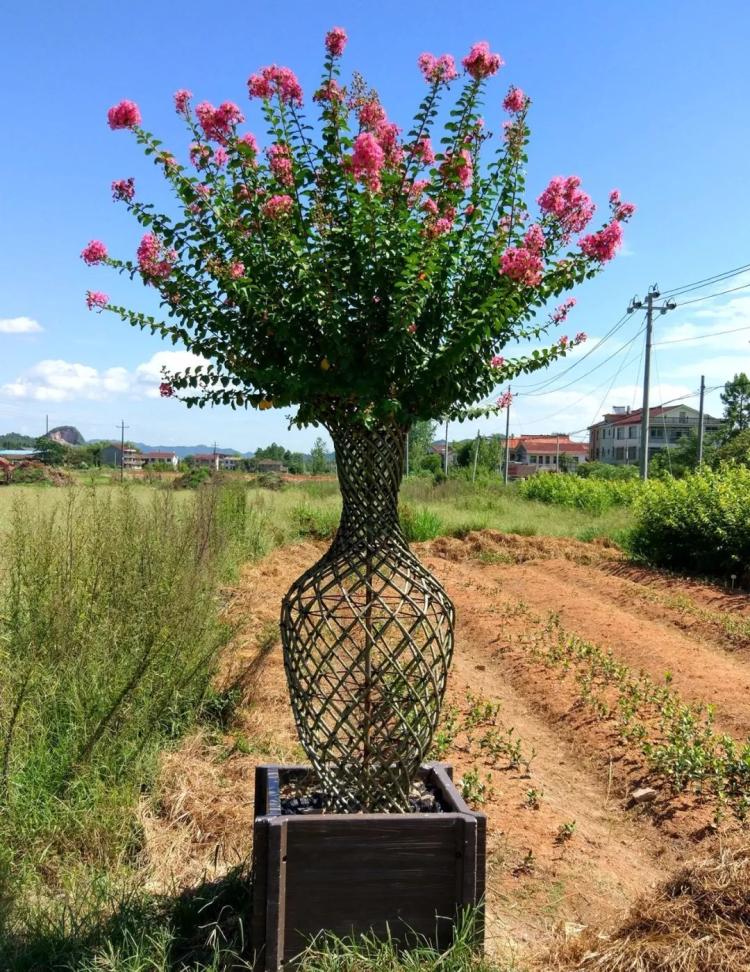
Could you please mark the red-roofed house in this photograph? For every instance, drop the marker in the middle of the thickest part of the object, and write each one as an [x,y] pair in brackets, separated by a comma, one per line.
[617,438]
[530,454]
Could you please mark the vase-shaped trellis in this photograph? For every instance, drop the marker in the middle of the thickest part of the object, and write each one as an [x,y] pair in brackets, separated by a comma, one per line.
[367,633]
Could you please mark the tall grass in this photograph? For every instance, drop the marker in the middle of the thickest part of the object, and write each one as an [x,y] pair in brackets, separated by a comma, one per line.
[591,495]
[109,631]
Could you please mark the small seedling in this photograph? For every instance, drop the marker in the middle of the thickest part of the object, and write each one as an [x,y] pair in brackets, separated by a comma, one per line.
[565,832]
[474,789]
[533,798]
[527,865]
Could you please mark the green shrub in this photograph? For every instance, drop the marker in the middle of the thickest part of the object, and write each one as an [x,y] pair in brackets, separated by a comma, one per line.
[193,478]
[699,524]
[318,524]
[591,495]
[604,470]
[419,523]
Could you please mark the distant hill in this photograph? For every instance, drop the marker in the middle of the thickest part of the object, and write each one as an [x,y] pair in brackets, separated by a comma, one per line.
[182,451]
[14,440]
[67,435]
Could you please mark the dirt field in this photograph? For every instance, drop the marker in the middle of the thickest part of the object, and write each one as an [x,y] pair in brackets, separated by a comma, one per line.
[567,848]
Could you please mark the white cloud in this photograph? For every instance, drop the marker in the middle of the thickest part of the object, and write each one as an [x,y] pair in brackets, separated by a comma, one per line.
[19,325]
[705,325]
[55,380]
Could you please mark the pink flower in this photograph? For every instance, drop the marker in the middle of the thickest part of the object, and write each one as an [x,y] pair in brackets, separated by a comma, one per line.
[280,161]
[515,100]
[430,207]
[218,123]
[387,134]
[220,157]
[274,80]
[440,227]
[203,190]
[123,189]
[497,361]
[166,390]
[602,245]
[200,155]
[415,190]
[278,206]
[95,298]
[371,114]
[563,341]
[569,204]
[424,152]
[458,169]
[560,313]
[480,63]
[580,337]
[505,399]
[236,270]
[182,101]
[522,265]
[367,160]
[247,138]
[331,91]
[94,252]
[167,160]
[620,210]
[534,239]
[336,39]
[412,329]
[124,115]
[437,69]
[154,260]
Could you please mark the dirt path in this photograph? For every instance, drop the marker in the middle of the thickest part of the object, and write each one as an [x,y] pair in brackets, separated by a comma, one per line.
[564,849]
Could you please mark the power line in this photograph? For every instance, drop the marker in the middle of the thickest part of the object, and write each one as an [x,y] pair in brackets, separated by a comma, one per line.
[705,281]
[719,293]
[702,337]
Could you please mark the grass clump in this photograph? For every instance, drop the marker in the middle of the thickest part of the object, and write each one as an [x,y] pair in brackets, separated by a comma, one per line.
[420,523]
[592,495]
[109,630]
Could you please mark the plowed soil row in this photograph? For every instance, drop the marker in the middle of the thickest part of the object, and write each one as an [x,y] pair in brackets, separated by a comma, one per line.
[566,849]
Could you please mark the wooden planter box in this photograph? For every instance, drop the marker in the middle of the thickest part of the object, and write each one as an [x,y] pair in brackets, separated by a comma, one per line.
[407,873]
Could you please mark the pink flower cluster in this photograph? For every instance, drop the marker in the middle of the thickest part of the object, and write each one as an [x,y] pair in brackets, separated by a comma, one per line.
[274,80]
[154,260]
[580,337]
[534,238]
[560,313]
[367,160]
[250,140]
[95,298]
[371,114]
[458,169]
[481,63]
[568,203]
[602,245]
[182,101]
[497,361]
[166,390]
[505,399]
[94,252]
[424,151]
[521,264]
[221,156]
[200,155]
[515,100]
[439,227]
[331,91]
[278,206]
[219,123]
[126,114]
[280,161]
[236,270]
[123,189]
[437,69]
[620,210]
[336,39]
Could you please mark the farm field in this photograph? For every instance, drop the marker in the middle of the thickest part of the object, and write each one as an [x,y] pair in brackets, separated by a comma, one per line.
[568,849]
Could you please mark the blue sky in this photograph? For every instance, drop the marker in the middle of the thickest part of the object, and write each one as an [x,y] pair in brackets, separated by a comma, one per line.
[649,97]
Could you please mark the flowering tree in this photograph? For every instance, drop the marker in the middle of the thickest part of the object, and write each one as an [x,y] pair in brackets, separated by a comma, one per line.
[349,242]
[371,280]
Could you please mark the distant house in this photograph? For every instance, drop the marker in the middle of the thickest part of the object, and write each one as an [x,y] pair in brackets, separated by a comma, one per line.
[616,440]
[270,466]
[530,454]
[18,455]
[126,459]
[439,449]
[159,458]
[217,460]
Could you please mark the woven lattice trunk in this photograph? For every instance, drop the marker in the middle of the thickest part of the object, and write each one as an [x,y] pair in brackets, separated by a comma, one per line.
[367,633]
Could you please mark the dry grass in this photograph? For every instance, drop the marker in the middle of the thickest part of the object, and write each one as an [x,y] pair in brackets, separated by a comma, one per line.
[696,921]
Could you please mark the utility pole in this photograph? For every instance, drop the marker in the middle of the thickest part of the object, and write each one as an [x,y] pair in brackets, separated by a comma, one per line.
[215,461]
[476,456]
[445,451]
[636,304]
[700,421]
[46,425]
[507,440]
[122,426]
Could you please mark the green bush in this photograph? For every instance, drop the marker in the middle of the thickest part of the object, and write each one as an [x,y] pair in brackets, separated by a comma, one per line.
[590,495]
[419,523]
[318,524]
[109,631]
[604,470]
[699,524]
[193,478]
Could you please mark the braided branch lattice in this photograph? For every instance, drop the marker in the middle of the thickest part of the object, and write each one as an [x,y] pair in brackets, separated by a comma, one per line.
[367,633]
